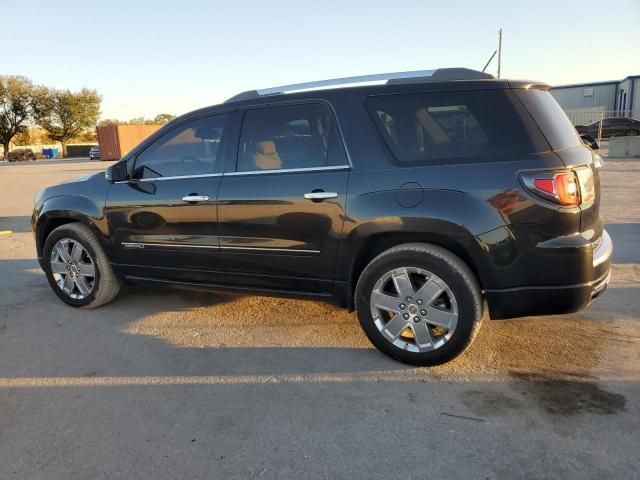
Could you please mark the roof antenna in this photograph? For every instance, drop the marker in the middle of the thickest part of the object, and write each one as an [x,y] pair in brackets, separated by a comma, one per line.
[499,52]
[494,54]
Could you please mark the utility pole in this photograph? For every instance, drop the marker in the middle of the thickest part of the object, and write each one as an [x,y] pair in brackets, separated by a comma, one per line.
[499,51]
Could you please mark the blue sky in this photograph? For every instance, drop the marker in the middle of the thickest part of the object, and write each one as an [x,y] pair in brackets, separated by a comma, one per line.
[147,57]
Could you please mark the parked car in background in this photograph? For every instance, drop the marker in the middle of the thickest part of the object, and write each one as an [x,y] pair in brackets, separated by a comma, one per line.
[94,153]
[21,155]
[611,127]
[415,202]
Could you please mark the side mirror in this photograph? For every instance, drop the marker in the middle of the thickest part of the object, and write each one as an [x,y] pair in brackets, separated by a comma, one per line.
[117,172]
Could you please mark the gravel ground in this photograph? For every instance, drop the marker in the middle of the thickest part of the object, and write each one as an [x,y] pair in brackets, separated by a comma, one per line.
[170,384]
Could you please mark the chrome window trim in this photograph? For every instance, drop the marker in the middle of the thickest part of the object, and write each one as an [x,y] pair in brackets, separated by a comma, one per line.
[249,172]
[177,177]
[289,170]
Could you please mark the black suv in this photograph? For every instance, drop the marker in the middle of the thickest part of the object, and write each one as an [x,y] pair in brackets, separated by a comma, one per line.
[413,201]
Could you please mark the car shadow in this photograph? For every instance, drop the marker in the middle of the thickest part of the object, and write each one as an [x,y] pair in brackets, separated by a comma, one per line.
[177,333]
[163,331]
[149,331]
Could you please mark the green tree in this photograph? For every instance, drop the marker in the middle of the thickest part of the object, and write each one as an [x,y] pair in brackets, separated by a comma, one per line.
[163,118]
[65,114]
[110,121]
[22,138]
[86,137]
[16,108]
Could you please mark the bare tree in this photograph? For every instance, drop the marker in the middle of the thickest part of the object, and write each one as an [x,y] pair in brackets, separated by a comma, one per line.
[65,114]
[16,108]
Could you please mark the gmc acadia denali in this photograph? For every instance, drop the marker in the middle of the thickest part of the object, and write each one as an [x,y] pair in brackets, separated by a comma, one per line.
[415,198]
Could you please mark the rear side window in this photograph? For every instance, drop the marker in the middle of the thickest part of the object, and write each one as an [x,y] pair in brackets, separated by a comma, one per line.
[554,123]
[289,137]
[430,127]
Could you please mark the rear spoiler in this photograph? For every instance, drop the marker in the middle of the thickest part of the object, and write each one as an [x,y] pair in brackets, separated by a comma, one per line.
[528,84]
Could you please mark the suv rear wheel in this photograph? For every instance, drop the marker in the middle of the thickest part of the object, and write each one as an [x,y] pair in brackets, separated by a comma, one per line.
[419,303]
[77,268]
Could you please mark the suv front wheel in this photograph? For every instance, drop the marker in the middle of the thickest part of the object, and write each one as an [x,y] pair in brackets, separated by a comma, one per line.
[419,303]
[77,268]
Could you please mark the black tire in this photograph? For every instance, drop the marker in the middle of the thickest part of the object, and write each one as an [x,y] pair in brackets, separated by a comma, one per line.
[453,271]
[106,284]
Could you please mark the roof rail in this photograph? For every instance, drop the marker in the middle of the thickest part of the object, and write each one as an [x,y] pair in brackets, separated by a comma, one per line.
[416,76]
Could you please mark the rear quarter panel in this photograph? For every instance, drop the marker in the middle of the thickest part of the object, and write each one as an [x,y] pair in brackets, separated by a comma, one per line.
[480,206]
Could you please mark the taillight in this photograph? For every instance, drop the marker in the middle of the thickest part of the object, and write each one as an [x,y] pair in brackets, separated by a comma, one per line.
[587,185]
[564,188]
[567,189]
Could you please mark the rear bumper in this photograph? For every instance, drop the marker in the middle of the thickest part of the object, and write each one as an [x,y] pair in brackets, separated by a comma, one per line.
[557,299]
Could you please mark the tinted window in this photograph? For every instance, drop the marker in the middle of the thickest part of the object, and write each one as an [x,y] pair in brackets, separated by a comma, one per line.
[554,123]
[189,149]
[454,125]
[297,136]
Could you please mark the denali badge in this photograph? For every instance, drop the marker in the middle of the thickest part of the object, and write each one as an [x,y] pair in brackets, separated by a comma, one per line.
[132,245]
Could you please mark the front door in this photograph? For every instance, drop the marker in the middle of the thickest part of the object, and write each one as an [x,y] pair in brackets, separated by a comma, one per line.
[281,209]
[163,221]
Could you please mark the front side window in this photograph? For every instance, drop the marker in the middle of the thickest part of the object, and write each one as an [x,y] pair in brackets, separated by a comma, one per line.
[286,137]
[190,149]
[428,127]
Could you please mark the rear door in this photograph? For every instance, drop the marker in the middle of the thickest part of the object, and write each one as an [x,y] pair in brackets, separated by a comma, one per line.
[281,205]
[163,220]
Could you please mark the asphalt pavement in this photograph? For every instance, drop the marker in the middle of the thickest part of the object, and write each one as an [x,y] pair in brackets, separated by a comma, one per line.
[165,384]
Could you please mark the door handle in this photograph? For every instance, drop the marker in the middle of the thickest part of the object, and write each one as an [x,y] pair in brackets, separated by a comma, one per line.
[318,196]
[195,198]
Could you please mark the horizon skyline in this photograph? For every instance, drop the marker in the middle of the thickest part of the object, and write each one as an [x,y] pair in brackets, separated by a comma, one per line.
[159,47]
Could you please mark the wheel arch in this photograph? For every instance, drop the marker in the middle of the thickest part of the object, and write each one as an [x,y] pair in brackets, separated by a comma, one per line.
[377,243]
[58,211]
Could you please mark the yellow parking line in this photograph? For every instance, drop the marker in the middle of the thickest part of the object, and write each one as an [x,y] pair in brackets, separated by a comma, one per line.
[6,232]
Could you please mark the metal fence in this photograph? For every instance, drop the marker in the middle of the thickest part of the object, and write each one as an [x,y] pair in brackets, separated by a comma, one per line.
[600,124]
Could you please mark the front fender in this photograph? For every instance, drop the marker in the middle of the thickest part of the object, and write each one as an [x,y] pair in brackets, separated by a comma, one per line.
[62,209]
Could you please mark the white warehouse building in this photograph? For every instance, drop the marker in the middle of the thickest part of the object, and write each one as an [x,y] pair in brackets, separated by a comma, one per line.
[587,102]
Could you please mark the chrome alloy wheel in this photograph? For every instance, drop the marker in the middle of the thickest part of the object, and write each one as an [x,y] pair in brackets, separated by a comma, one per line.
[414,309]
[73,268]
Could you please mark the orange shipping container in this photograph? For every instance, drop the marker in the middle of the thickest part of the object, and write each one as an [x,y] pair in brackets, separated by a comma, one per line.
[117,140]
